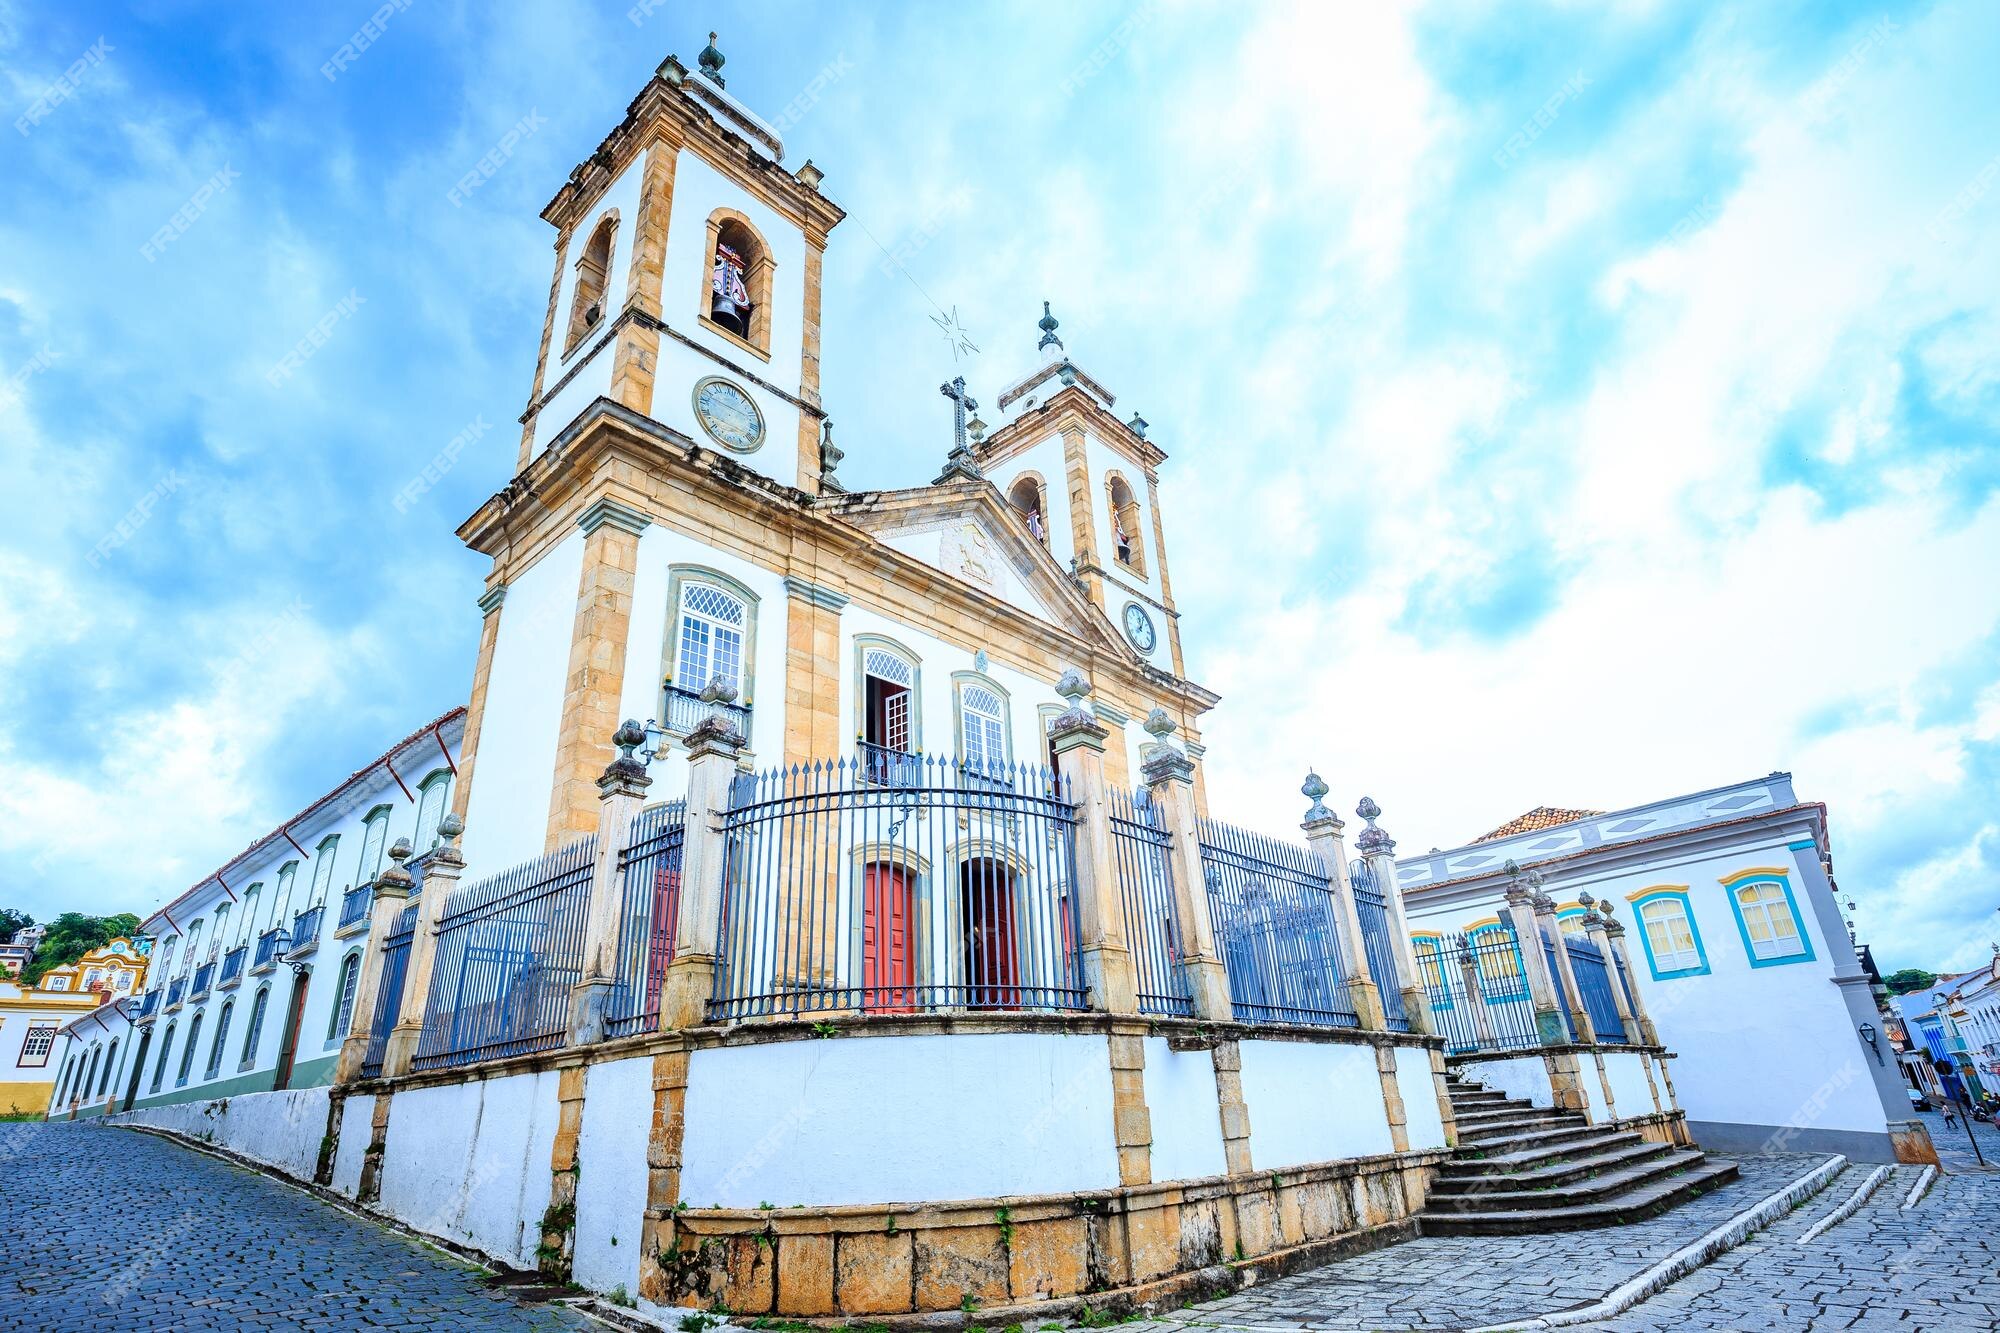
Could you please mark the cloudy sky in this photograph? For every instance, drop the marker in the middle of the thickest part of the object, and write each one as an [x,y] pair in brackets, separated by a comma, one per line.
[1578,405]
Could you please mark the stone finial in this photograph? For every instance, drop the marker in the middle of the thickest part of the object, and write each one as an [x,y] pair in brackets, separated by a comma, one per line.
[1374,838]
[809,175]
[1048,324]
[719,690]
[830,453]
[396,879]
[446,853]
[450,828]
[629,737]
[976,429]
[400,850]
[711,61]
[1138,425]
[1314,789]
[1587,901]
[1159,726]
[627,772]
[1074,687]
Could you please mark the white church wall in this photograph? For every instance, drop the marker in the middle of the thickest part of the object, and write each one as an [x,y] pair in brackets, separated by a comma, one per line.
[279,1129]
[357,1116]
[569,394]
[1045,458]
[508,815]
[937,547]
[1312,1102]
[470,1162]
[1626,1072]
[612,1174]
[889,1119]
[1423,1119]
[1186,1115]
[594,376]
[1524,1077]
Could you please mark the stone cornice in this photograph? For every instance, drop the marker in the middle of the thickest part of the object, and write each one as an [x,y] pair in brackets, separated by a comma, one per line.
[609,511]
[1070,405]
[808,591]
[490,600]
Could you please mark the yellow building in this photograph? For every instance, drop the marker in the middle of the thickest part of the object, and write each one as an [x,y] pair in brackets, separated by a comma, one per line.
[30,1020]
[117,969]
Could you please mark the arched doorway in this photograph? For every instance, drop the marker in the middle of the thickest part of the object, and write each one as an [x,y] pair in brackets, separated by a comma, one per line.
[294,1014]
[989,949]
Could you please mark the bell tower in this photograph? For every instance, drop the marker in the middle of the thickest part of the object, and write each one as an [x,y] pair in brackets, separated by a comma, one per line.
[687,281]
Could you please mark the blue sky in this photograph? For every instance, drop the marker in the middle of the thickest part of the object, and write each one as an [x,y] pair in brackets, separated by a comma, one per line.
[1571,405]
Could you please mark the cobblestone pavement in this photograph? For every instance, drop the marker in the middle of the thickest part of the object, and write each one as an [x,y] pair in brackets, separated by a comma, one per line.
[1955,1149]
[110,1228]
[1932,1269]
[1438,1282]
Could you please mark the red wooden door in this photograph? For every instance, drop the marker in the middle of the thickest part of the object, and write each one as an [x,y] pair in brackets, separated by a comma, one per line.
[991,971]
[888,970]
[666,919]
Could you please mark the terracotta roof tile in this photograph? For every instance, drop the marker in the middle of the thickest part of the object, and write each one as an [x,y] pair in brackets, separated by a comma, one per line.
[1541,817]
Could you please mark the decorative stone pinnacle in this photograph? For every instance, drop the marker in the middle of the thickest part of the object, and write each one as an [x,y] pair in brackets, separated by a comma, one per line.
[1048,324]
[1587,901]
[627,770]
[1372,840]
[395,877]
[399,851]
[1314,789]
[1159,726]
[629,737]
[1074,687]
[450,827]
[1138,425]
[719,690]
[711,61]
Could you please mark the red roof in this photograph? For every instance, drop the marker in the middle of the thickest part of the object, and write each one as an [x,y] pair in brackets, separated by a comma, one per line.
[1537,819]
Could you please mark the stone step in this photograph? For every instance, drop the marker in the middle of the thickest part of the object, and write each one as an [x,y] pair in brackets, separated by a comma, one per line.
[1532,1157]
[1561,1169]
[1505,1196]
[1526,1123]
[1633,1205]
[1486,1115]
[1531,1141]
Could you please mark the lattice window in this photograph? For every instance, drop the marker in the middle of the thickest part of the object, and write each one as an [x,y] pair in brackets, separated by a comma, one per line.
[985,722]
[711,640]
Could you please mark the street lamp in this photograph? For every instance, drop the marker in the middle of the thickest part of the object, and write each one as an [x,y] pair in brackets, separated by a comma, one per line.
[1867,1031]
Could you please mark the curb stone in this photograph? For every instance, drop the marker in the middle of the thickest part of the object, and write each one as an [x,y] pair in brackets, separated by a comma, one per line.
[1924,1181]
[1850,1207]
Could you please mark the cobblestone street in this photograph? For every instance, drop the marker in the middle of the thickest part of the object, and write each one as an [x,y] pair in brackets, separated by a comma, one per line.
[151,1235]
[1954,1146]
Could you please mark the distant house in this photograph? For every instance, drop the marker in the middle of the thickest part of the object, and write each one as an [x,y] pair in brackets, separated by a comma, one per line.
[31,1048]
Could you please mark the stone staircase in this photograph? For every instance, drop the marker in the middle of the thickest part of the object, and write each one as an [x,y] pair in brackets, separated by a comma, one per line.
[1520,1168]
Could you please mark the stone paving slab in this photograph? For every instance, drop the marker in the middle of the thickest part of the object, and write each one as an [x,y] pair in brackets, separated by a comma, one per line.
[1954,1146]
[176,1239]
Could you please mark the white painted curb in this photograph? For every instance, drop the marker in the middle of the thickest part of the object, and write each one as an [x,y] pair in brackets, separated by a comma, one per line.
[1689,1257]
[1930,1174]
[1848,1209]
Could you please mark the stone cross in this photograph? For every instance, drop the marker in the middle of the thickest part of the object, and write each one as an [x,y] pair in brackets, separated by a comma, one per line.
[959,465]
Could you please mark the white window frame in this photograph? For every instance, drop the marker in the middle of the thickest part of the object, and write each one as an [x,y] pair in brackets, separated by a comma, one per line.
[35,1029]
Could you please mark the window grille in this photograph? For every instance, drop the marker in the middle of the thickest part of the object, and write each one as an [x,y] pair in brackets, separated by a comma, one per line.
[711,644]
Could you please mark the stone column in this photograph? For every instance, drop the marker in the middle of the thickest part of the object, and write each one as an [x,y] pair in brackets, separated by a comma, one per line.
[712,749]
[1593,925]
[1375,843]
[1534,965]
[812,671]
[441,874]
[1614,932]
[1078,742]
[490,603]
[1323,829]
[392,894]
[1169,775]
[620,793]
[596,673]
[1565,975]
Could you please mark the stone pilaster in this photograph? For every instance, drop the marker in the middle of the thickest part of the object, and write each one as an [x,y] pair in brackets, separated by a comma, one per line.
[1443,1097]
[1323,832]
[1593,925]
[636,358]
[1392,1099]
[441,874]
[663,1171]
[475,709]
[1614,932]
[1375,843]
[809,422]
[558,1226]
[1166,585]
[392,894]
[1534,962]
[1169,777]
[542,360]
[596,673]
[1228,1060]
[1131,1121]
[1082,509]
[712,749]
[1078,742]
[812,671]
[620,794]
[1565,974]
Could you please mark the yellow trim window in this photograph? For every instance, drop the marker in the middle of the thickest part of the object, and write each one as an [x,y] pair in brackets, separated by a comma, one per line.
[1767,920]
[1669,935]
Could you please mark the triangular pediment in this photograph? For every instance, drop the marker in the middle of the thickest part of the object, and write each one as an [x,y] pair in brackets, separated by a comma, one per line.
[968,533]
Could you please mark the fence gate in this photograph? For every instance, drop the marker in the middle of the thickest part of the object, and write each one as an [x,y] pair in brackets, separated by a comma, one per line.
[649,870]
[1593,981]
[1373,908]
[1478,991]
[1146,890]
[1275,927]
[389,999]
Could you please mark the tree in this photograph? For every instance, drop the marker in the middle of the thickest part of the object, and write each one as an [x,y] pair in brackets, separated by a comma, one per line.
[74,934]
[13,919]
[1909,979]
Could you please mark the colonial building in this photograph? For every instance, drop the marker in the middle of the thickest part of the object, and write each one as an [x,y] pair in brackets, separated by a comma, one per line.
[118,969]
[1752,979]
[32,1049]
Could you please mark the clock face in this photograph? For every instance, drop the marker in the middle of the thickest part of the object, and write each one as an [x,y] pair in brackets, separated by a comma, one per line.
[728,415]
[1139,627]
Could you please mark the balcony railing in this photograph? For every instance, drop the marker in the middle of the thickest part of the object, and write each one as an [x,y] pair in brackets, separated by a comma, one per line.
[354,906]
[305,930]
[204,977]
[232,965]
[149,1004]
[885,767]
[267,951]
[175,990]
[686,711]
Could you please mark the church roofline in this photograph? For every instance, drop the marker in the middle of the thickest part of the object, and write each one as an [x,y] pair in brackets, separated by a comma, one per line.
[1031,428]
[1013,392]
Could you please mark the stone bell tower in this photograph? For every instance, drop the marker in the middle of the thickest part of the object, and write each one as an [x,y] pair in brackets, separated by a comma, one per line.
[687,280]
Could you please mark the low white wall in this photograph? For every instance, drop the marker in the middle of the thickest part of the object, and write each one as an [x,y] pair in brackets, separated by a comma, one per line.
[279,1129]
[357,1121]
[1626,1072]
[470,1162]
[1423,1119]
[1310,1102]
[1186,1117]
[611,1174]
[1522,1076]
[895,1119]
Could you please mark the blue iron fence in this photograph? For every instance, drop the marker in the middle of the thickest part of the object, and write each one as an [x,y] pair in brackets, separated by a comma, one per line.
[203,977]
[1593,984]
[305,930]
[1556,982]
[649,870]
[1378,939]
[1146,890]
[354,905]
[890,768]
[149,1004]
[232,965]
[1478,991]
[947,887]
[1275,925]
[389,996]
[509,949]
[267,949]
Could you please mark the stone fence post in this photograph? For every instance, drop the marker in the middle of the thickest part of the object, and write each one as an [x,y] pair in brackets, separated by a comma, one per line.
[1169,776]
[1078,742]
[1374,843]
[1565,974]
[712,749]
[392,894]
[620,794]
[1614,931]
[441,874]
[1534,964]
[1323,833]
[1593,925]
